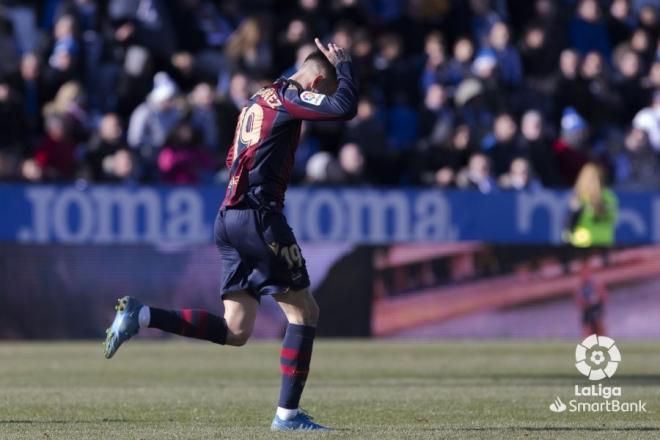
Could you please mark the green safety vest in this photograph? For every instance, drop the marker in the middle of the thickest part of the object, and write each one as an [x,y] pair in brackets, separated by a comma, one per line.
[592,230]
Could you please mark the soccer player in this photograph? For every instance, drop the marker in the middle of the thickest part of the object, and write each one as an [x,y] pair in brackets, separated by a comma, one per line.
[591,297]
[259,252]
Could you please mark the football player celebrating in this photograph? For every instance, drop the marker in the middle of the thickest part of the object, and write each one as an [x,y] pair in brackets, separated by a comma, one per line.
[260,255]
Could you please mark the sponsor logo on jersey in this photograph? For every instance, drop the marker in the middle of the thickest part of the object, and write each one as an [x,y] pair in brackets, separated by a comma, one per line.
[312,98]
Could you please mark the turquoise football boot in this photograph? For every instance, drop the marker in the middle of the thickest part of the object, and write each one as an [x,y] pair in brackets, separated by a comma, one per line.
[301,422]
[124,327]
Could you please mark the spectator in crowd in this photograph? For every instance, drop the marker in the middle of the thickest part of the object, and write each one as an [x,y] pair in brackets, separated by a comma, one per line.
[508,59]
[571,90]
[588,30]
[539,55]
[439,163]
[70,104]
[519,177]
[106,142]
[121,166]
[432,81]
[603,102]
[247,48]
[537,147]
[293,37]
[477,175]
[648,120]
[627,84]
[620,22]
[459,66]
[320,168]
[502,145]
[351,164]
[434,51]
[147,25]
[571,148]
[636,165]
[367,131]
[436,116]
[55,155]
[63,60]
[152,121]
[640,42]
[393,71]
[484,17]
[203,116]
[594,210]
[32,90]
[183,160]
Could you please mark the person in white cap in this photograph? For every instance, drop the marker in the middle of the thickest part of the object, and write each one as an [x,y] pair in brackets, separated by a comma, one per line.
[153,120]
[648,120]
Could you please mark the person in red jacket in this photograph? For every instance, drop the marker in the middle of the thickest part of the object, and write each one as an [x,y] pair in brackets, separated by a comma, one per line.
[570,148]
[55,156]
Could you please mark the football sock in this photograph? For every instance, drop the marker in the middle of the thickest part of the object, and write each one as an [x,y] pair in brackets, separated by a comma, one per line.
[286,414]
[294,363]
[198,324]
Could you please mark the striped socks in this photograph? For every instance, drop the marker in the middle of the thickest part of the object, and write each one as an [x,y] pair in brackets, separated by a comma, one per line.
[198,324]
[294,363]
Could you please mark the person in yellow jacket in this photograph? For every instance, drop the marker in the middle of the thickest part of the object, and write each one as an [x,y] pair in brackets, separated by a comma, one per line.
[594,210]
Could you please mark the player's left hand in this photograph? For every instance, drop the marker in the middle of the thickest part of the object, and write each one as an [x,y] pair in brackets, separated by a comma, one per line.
[333,53]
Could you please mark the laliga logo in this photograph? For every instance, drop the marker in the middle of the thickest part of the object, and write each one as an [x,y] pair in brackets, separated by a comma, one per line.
[597,357]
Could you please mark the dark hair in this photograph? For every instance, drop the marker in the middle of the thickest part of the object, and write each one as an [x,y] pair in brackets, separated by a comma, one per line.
[321,61]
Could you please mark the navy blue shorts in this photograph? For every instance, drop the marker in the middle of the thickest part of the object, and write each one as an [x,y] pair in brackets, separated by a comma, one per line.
[259,253]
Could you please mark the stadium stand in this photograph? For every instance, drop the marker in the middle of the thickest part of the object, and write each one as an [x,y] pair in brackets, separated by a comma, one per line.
[490,95]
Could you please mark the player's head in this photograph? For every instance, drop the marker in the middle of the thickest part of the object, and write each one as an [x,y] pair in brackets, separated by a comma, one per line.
[317,74]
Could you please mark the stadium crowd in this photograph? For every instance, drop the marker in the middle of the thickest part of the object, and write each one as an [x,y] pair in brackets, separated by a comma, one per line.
[489,95]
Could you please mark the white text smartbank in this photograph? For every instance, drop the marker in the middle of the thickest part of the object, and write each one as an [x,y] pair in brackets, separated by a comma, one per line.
[607,405]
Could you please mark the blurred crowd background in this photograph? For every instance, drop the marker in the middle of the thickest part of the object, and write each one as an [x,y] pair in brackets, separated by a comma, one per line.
[488,95]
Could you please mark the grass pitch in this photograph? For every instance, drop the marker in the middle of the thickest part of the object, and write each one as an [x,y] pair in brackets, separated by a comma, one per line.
[368,390]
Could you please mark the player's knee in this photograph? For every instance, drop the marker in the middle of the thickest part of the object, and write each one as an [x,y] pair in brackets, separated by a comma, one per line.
[306,313]
[238,339]
[238,332]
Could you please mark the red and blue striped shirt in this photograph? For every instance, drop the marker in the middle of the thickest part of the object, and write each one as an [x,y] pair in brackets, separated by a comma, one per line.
[266,138]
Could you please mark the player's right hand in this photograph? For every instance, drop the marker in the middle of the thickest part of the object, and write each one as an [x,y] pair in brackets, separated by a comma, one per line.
[333,53]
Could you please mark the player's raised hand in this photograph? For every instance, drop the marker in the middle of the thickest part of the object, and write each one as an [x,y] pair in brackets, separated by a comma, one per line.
[333,53]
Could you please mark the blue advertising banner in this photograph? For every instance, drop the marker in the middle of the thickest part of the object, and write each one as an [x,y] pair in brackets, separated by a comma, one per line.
[159,214]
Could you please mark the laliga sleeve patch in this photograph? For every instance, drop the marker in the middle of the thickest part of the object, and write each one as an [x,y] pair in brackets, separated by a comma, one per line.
[312,98]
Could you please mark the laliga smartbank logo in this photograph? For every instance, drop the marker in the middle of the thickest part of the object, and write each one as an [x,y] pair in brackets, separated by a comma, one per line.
[597,358]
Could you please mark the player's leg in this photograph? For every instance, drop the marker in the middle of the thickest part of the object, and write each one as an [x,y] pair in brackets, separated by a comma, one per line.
[277,266]
[302,314]
[200,324]
[240,314]
[234,328]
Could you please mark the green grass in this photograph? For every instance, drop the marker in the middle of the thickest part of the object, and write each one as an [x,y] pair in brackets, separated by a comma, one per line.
[369,390]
